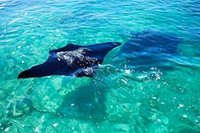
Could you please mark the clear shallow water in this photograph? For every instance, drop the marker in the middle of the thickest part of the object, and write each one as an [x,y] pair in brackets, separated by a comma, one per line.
[120,98]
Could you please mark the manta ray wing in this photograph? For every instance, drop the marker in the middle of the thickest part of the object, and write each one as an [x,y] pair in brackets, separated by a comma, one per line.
[50,67]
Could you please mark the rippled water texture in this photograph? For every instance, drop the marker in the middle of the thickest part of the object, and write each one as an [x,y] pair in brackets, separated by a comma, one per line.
[150,84]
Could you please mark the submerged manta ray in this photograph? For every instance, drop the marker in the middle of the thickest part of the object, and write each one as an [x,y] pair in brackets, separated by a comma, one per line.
[71,60]
[150,48]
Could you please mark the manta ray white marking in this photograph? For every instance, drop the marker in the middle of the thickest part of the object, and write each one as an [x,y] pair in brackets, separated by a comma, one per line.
[70,56]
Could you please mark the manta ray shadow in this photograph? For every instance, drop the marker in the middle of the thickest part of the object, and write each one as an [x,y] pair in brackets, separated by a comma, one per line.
[149,49]
[86,102]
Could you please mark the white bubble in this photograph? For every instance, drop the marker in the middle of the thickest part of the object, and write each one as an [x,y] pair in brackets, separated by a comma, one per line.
[185,116]
[128,71]
[37,130]
[7,129]
[180,105]
[55,124]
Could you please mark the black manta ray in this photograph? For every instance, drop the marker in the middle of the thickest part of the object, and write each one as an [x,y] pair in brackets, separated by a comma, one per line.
[71,60]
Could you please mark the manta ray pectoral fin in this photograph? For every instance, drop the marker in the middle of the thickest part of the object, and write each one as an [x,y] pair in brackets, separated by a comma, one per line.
[45,69]
[36,71]
[87,72]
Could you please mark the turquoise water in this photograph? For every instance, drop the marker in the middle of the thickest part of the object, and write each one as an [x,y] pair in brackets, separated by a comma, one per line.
[119,99]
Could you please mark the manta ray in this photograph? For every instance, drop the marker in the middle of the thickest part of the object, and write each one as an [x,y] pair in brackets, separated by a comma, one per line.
[71,60]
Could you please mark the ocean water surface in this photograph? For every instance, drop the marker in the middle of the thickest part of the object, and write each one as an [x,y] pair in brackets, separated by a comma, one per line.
[150,84]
